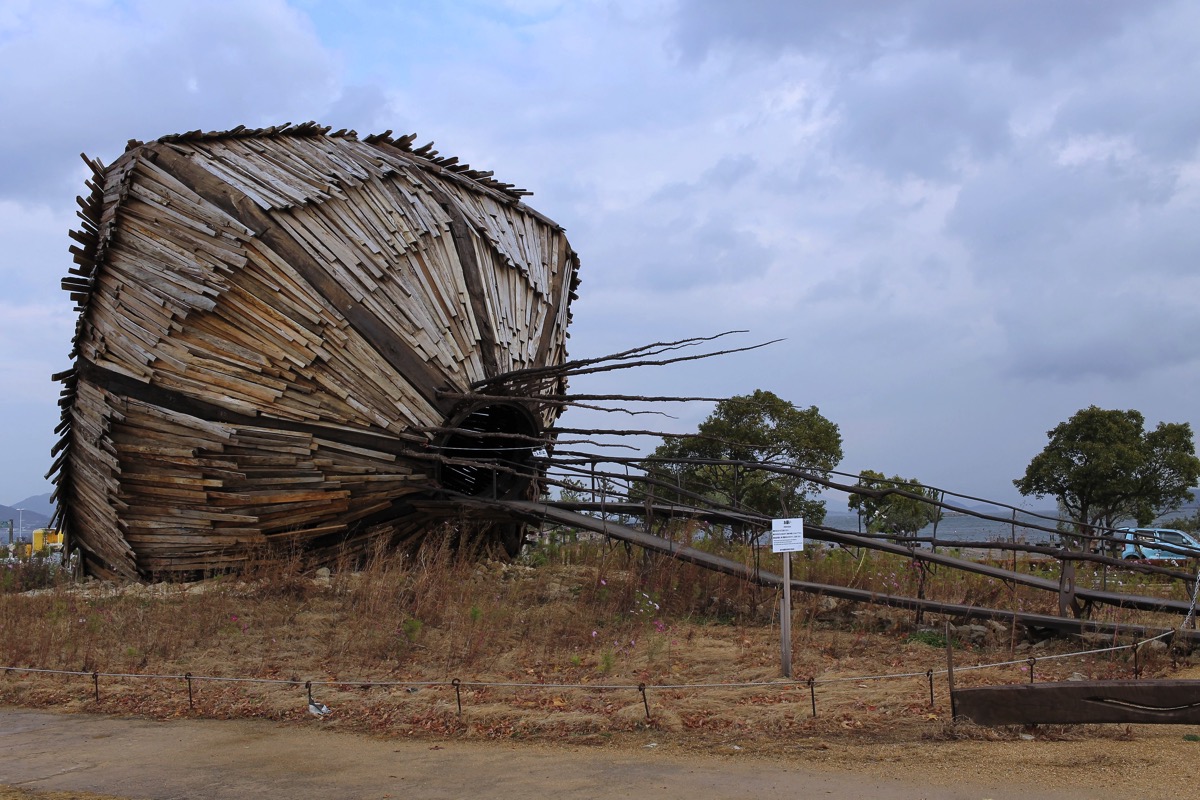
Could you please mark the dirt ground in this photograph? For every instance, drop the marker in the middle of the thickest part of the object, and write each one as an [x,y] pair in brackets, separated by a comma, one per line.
[52,756]
[541,718]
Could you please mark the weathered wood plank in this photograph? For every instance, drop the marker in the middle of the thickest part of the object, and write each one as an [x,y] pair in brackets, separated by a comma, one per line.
[267,322]
[1168,702]
[226,197]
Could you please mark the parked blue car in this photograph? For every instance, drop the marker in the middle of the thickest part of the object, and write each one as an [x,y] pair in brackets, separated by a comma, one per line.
[1144,543]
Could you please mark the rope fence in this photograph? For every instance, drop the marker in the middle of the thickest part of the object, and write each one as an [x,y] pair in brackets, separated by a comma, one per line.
[810,683]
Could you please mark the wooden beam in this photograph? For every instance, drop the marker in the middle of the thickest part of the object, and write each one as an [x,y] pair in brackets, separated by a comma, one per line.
[1166,702]
[537,512]
[460,234]
[124,386]
[424,378]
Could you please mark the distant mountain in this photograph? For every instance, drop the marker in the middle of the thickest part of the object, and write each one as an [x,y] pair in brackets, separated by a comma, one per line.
[24,523]
[39,503]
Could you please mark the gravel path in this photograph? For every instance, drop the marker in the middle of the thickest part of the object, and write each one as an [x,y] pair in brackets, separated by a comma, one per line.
[138,758]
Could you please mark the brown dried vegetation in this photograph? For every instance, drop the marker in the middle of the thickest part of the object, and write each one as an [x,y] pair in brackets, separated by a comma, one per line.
[383,642]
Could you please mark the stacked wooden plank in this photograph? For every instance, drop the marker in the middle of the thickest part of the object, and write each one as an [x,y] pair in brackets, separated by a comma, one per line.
[271,322]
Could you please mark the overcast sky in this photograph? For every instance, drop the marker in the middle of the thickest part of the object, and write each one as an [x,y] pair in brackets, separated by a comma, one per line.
[966,220]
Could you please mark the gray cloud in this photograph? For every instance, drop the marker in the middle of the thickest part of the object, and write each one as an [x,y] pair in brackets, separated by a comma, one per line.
[1026,33]
[680,251]
[1129,338]
[1016,215]
[919,116]
[1032,35]
[143,70]
[967,219]
[1087,262]
[920,87]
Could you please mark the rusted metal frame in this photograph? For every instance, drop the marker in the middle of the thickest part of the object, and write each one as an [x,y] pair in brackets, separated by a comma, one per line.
[668,510]
[1066,589]
[1083,595]
[535,512]
[1045,550]
[1078,602]
[1138,602]
[703,502]
[879,494]
[950,664]
[848,487]
[1053,552]
[817,478]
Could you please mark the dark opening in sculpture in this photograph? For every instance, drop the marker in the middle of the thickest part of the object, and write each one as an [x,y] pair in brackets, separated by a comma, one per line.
[488,452]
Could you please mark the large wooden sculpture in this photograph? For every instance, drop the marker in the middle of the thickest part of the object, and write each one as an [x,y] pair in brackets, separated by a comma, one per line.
[277,329]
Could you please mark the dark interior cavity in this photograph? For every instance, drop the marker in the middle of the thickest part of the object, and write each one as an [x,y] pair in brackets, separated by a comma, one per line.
[492,439]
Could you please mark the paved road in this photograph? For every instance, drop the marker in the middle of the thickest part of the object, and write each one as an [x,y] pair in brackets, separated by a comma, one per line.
[228,760]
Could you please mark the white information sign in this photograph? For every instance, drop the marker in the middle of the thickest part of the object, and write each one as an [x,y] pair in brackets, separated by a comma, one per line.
[787,535]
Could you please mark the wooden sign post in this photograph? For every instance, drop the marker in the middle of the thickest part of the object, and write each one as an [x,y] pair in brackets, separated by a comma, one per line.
[787,536]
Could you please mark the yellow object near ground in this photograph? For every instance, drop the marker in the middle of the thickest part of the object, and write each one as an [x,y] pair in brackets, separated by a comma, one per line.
[47,539]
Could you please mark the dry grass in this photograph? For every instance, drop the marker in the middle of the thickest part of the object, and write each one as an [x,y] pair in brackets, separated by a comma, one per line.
[585,617]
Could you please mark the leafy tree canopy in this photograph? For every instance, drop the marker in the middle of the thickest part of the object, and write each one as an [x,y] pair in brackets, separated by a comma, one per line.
[758,428]
[899,514]
[1103,467]
[1189,523]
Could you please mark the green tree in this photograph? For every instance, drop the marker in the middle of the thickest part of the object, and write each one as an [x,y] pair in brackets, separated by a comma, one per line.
[1104,467]
[1189,523]
[758,428]
[898,514]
